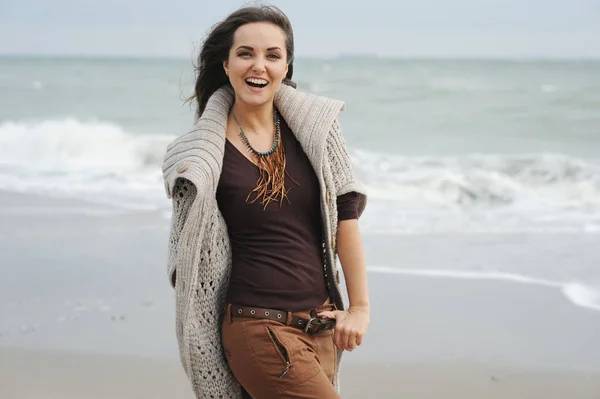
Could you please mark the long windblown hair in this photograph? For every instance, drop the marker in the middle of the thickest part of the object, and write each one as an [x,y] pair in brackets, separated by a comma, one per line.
[215,49]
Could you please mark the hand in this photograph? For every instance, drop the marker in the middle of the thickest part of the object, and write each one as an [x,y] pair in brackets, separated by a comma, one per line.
[350,326]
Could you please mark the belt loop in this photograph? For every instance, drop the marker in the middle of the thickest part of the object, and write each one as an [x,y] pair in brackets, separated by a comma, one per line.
[229,313]
[288,322]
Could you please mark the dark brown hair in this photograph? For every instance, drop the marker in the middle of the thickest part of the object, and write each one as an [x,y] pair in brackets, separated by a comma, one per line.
[215,49]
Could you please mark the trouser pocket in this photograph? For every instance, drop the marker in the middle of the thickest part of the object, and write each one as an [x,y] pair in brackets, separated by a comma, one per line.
[281,350]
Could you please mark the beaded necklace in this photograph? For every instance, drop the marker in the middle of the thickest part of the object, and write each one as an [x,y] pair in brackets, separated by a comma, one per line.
[246,142]
[271,164]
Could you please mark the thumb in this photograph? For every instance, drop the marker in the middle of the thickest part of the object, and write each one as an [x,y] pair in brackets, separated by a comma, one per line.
[329,313]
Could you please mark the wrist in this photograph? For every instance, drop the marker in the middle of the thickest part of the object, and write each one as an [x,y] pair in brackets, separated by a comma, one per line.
[365,307]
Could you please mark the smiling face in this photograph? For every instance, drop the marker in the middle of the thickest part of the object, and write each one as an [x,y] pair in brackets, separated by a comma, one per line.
[257,62]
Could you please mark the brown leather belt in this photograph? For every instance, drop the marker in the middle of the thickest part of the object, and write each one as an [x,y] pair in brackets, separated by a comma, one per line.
[314,325]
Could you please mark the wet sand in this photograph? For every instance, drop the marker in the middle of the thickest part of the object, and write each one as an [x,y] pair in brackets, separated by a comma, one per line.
[26,374]
[86,312]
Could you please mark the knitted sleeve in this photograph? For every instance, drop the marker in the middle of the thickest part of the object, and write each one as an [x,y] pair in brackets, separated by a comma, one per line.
[184,193]
[341,167]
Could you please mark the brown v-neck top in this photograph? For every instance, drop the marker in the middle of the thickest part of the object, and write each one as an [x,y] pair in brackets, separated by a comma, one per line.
[277,251]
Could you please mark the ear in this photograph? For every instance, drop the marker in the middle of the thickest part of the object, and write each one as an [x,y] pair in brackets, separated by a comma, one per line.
[286,71]
[226,67]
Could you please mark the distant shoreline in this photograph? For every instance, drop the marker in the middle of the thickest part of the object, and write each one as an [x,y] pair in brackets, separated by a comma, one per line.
[338,57]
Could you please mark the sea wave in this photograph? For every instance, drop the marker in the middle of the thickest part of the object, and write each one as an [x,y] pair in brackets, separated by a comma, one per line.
[106,163]
[579,294]
[67,145]
[533,181]
[100,162]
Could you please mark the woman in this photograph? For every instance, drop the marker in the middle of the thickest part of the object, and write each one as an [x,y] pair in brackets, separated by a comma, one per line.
[264,198]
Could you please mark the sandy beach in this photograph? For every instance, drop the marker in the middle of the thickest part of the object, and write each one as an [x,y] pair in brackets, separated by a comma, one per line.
[86,312]
[49,375]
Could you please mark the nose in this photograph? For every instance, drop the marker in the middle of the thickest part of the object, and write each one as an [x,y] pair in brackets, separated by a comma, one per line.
[259,65]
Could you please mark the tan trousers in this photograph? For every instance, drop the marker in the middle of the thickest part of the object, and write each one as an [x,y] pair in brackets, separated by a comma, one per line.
[272,360]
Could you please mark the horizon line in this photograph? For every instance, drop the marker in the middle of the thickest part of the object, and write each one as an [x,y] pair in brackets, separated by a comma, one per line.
[341,56]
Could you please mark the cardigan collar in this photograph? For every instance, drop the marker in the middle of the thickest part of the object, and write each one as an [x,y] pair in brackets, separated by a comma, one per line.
[198,154]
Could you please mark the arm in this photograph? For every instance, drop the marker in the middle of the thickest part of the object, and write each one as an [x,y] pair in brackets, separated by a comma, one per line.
[351,325]
[184,193]
[352,257]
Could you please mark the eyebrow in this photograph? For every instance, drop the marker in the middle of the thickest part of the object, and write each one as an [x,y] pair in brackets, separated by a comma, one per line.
[252,49]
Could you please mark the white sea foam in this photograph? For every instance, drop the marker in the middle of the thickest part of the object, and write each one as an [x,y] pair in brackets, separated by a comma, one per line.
[104,163]
[528,180]
[99,162]
[582,295]
[579,294]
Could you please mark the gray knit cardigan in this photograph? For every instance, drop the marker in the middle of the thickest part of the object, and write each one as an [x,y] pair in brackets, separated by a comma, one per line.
[199,248]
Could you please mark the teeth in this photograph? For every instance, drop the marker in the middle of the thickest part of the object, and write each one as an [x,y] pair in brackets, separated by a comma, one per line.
[257,81]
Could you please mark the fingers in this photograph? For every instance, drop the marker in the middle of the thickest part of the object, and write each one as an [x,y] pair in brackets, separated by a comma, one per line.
[337,333]
[350,342]
[359,339]
[329,313]
[337,339]
[348,333]
[346,339]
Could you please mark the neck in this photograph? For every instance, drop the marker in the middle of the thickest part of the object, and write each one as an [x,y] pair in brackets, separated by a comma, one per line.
[255,119]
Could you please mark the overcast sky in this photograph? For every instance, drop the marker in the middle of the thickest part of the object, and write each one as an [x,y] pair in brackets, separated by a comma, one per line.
[438,28]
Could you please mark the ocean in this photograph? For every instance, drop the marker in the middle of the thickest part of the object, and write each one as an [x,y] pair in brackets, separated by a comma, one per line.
[454,152]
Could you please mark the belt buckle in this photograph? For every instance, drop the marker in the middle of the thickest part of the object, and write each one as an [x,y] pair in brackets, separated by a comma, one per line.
[309,324]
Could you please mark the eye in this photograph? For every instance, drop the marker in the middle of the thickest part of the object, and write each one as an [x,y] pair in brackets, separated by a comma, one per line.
[244,54]
[274,56]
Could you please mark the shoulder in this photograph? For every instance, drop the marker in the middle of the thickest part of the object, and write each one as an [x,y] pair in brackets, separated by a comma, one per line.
[311,117]
[197,155]
[335,137]
[288,96]
[296,105]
